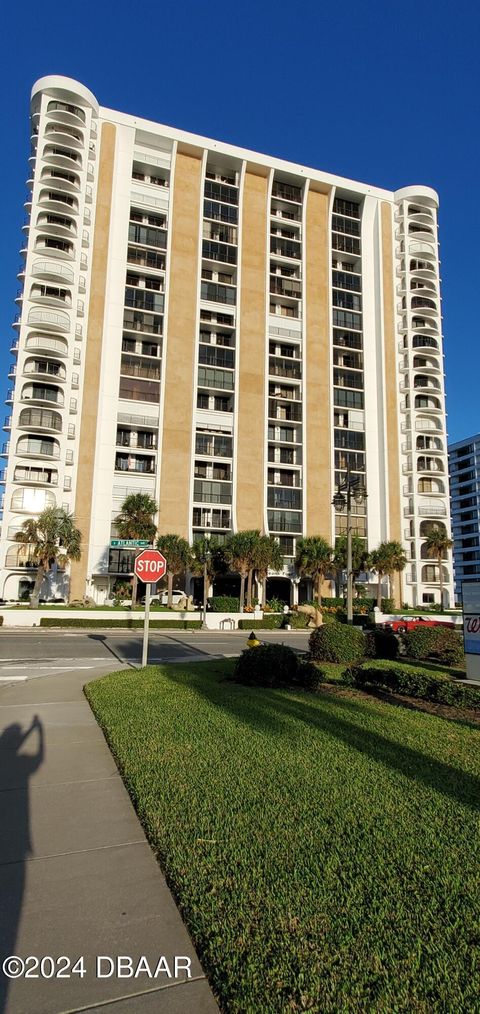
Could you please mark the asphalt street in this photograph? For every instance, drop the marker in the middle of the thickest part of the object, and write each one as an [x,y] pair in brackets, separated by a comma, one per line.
[30,654]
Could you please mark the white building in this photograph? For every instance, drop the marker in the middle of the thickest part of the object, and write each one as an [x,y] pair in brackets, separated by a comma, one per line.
[225,330]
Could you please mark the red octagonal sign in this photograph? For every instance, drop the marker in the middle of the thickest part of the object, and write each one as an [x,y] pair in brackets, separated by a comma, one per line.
[150,565]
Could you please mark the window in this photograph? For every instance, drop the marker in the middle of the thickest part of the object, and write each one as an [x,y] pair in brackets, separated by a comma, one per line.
[220,192]
[345,225]
[215,378]
[343,207]
[428,598]
[344,319]
[134,389]
[348,399]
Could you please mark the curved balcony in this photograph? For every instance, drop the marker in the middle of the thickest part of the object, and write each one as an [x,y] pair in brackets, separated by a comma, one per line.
[64,134]
[55,246]
[50,295]
[54,200]
[38,447]
[429,364]
[53,320]
[427,527]
[43,393]
[19,557]
[433,509]
[45,368]
[64,158]
[426,249]
[425,325]
[56,225]
[432,486]
[429,403]
[40,419]
[44,343]
[66,112]
[50,270]
[420,217]
[430,464]
[427,383]
[424,424]
[32,501]
[424,342]
[32,476]
[61,179]
[430,574]
[428,443]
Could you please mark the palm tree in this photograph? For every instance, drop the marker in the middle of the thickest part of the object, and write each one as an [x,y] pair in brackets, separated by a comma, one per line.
[206,560]
[135,521]
[398,562]
[383,561]
[267,556]
[314,559]
[54,540]
[177,554]
[239,551]
[437,545]
[360,555]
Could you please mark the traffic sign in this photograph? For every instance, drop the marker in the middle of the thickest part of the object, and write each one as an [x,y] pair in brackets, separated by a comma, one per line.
[150,565]
[129,543]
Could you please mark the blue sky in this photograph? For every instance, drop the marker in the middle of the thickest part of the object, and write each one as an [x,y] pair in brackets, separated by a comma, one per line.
[377,91]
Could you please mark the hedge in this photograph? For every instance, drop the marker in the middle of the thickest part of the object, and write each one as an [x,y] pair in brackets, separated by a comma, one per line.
[441,643]
[51,621]
[272,621]
[365,603]
[415,682]
[276,665]
[337,642]
[224,604]
[381,644]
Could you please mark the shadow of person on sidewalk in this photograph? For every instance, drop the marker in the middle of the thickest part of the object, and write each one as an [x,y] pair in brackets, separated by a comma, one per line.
[15,843]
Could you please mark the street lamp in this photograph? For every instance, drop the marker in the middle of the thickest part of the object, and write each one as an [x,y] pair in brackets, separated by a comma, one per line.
[350,488]
[206,558]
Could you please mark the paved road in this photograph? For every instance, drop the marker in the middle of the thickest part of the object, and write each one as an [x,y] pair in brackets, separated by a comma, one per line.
[28,654]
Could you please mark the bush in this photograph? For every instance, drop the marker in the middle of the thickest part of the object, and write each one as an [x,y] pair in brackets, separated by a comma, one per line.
[337,643]
[276,665]
[388,606]
[381,644]
[416,682]
[84,621]
[269,665]
[275,605]
[440,643]
[298,621]
[224,604]
[270,622]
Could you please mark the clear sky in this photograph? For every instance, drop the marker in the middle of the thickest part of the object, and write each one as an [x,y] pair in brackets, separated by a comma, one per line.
[382,92]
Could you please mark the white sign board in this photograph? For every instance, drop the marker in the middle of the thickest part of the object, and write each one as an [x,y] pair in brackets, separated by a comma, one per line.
[471,627]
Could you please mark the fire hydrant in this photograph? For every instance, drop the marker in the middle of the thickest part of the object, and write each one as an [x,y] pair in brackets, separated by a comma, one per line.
[252,641]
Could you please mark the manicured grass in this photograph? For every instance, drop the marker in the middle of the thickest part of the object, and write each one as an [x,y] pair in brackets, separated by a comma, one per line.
[323,848]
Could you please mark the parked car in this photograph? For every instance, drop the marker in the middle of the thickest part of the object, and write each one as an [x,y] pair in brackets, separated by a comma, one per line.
[402,624]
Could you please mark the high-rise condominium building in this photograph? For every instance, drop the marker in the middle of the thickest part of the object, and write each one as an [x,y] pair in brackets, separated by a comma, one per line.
[464,462]
[226,331]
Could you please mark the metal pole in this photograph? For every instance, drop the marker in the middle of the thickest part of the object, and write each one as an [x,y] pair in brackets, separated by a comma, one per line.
[204,624]
[349,556]
[145,626]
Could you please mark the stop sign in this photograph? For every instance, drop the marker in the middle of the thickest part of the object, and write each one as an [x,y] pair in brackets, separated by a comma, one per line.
[150,565]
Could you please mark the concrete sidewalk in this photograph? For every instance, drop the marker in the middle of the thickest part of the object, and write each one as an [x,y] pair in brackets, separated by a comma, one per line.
[77,876]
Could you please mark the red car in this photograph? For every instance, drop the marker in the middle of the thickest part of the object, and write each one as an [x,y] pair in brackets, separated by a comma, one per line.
[404,623]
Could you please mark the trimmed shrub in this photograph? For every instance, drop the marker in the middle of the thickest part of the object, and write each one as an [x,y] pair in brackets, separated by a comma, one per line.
[381,644]
[277,665]
[270,665]
[224,604]
[440,643]
[416,682]
[270,622]
[337,642]
[297,621]
[84,621]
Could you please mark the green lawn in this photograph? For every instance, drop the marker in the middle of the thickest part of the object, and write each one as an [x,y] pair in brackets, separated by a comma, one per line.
[323,848]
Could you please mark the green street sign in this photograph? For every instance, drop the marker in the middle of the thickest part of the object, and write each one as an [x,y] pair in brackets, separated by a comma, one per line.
[129,543]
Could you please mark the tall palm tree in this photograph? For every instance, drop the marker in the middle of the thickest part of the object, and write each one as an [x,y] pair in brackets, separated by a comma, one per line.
[360,555]
[383,561]
[239,552]
[314,559]
[398,562]
[206,560]
[54,540]
[135,521]
[177,554]
[437,545]
[267,556]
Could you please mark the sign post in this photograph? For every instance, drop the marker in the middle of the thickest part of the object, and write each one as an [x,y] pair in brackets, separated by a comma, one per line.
[150,566]
[471,627]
